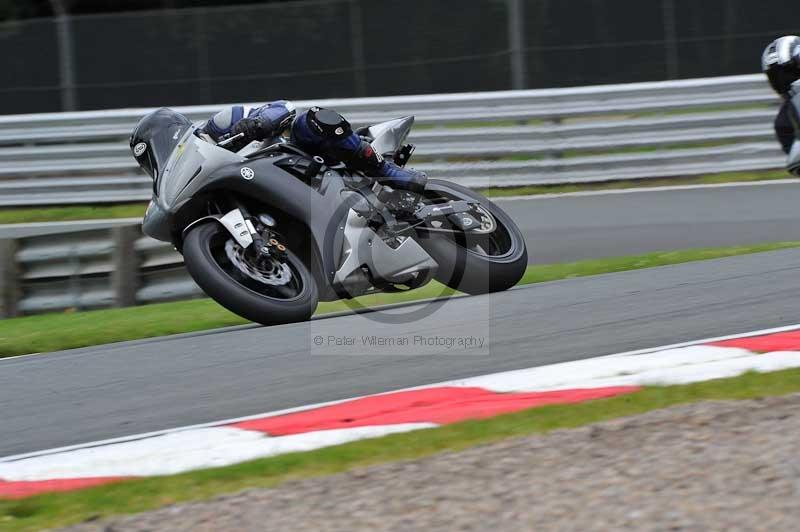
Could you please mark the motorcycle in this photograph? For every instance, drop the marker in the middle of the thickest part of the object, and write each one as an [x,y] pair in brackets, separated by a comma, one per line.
[270,230]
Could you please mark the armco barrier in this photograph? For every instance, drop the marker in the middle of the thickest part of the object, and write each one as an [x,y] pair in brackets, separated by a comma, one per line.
[111,267]
[503,138]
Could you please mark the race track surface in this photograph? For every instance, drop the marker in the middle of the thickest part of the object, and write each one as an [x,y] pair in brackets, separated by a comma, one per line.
[76,396]
[570,228]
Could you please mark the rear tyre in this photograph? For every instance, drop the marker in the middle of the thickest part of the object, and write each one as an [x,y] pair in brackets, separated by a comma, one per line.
[475,263]
[268,292]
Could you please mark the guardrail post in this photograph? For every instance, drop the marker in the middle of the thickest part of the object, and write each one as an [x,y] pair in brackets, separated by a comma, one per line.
[9,279]
[125,261]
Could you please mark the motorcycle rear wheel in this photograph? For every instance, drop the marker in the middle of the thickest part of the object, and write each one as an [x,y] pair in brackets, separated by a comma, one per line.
[475,263]
[267,293]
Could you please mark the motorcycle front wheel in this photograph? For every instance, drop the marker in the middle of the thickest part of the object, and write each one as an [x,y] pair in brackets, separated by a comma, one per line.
[264,290]
[491,259]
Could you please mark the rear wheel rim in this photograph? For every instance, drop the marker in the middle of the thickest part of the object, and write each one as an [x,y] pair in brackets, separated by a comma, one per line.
[492,240]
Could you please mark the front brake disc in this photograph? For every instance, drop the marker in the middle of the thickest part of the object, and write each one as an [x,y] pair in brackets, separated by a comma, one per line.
[270,271]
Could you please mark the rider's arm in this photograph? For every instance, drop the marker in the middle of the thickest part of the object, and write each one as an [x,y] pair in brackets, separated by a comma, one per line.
[258,123]
[274,117]
[784,129]
[219,126]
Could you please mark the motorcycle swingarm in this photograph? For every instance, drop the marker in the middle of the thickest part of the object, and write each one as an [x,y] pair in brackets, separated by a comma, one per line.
[443,209]
[455,211]
[240,229]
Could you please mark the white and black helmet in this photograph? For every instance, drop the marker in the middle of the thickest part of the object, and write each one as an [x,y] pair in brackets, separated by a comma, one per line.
[781,62]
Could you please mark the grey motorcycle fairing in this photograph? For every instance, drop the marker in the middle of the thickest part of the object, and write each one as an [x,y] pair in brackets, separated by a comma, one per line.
[362,246]
[198,169]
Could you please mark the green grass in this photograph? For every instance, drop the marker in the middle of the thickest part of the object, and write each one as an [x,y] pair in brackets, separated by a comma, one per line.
[66,330]
[61,509]
[71,329]
[711,179]
[61,213]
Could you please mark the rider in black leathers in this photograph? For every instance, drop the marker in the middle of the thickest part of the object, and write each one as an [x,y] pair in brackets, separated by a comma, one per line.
[318,131]
[781,63]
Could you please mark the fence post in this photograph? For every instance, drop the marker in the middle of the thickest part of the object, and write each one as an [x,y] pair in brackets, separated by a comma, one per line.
[9,279]
[516,44]
[66,61]
[202,59]
[670,38]
[125,264]
[357,48]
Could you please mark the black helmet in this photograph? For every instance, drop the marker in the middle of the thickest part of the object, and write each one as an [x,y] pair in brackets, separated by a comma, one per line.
[781,62]
[155,136]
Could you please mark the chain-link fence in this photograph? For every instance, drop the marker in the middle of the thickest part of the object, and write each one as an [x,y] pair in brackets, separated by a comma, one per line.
[340,48]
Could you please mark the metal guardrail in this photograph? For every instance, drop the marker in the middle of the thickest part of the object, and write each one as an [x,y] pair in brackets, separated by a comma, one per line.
[503,138]
[98,268]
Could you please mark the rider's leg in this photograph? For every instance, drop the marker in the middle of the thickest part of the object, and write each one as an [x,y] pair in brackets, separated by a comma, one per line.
[327,133]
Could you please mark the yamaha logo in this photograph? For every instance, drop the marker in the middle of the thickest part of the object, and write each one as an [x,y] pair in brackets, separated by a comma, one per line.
[139,149]
[247,173]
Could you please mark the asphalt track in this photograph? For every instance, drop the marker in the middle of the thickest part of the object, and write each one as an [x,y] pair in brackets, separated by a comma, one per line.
[575,227]
[570,228]
[82,395]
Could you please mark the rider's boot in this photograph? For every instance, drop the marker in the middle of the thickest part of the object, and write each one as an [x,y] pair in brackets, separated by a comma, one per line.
[404,185]
[399,178]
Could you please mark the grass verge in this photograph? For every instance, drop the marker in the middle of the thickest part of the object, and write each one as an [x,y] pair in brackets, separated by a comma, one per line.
[711,179]
[67,330]
[132,210]
[64,213]
[140,495]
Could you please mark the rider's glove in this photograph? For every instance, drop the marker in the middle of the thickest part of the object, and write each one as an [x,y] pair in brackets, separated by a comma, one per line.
[253,129]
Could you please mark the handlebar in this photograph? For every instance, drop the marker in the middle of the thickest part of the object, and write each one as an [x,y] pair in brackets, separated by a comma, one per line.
[227,141]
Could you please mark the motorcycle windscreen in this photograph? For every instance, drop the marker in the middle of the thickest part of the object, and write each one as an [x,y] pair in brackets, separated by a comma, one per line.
[156,137]
[389,136]
[191,159]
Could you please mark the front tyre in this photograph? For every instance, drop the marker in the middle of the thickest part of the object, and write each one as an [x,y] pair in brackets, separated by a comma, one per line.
[267,291]
[474,262]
